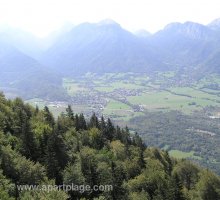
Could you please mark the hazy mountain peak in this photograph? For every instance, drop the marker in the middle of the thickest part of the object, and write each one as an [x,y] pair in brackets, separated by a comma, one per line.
[215,24]
[184,25]
[189,29]
[172,25]
[193,25]
[197,31]
[108,22]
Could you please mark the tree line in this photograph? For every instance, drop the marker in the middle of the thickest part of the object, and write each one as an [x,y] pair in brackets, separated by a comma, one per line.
[37,149]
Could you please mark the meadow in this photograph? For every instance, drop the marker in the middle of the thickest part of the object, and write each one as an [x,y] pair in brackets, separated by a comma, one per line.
[126,95]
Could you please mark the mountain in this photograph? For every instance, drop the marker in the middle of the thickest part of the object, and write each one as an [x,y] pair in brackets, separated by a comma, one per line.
[107,47]
[23,75]
[101,47]
[215,24]
[186,45]
[189,48]
[212,64]
[53,37]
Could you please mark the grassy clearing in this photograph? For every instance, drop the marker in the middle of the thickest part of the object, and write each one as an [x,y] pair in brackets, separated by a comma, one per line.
[117,105]
[211,91]
[181,154]
[194,93]
[119,111]
[161,101]
[72,87]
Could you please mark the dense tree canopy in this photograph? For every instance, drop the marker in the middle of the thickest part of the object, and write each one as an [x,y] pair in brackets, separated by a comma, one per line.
[37,149]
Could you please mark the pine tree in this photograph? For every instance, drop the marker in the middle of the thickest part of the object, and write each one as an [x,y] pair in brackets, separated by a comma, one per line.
[118,134]
[70,113]
[176,188]
[82,122]
[48,116]
[57,157]
[118,176]
[77,125]
[29,146]
[94,122]
[110,130]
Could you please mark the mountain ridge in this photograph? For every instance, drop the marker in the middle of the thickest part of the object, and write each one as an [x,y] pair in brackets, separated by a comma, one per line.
[26,76]
[88,45]
[107,47]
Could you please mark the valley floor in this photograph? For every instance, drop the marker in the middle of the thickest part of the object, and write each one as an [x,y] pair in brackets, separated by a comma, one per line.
[128,97]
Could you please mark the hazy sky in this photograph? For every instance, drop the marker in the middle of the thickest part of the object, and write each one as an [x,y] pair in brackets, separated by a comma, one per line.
[43,16]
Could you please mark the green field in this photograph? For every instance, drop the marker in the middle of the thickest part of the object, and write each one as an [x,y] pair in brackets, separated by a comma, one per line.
[184,99]
[102,87]
[72,87]
[117,105]
[117,109]
[125,95]
[195,93]
[181,154]
[163,101]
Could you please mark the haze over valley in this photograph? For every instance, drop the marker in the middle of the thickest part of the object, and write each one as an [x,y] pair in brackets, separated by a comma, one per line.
[189,49]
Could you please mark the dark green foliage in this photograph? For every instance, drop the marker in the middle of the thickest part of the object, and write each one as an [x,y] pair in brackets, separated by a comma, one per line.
[94,122]
[81,123]
[70,113]
[48,117]
[36,148]
[56,156]
[178,131]
[188,173]
[176,188]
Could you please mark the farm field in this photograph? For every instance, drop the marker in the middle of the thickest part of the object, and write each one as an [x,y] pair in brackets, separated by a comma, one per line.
[125,95]
[130,93]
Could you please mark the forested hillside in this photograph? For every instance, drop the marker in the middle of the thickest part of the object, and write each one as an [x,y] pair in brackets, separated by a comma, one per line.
[190,133]
[37,149]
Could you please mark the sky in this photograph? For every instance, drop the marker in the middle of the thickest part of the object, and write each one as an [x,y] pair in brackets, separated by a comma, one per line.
[44,16]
